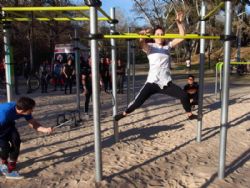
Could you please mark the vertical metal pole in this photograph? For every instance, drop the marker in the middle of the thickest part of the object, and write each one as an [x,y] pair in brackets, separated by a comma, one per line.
[225,90]
[8,63]
[201,73]
[133,63]
[216,81]
[128,68]
[31,44]
[77,67]
[239,39]
[96,93]
[114,78]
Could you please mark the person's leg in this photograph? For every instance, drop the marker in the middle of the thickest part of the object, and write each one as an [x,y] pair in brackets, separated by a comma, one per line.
[46,84]
[70,84]
[122,83]
[15,142]
[146,91]
[119,83]
[87,99]
[176,92]
[66,85]
[42,84]
[4,150]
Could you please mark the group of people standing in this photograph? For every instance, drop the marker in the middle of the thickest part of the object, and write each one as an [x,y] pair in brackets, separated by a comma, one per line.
[58,73]
[105,78]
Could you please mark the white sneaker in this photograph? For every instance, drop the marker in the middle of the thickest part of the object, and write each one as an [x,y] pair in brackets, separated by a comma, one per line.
[13,175]
[4,169]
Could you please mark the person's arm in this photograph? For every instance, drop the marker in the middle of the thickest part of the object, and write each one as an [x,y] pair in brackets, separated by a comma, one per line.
[38,127]
[64,73]
[144,46]
[84,84]
[180,25]
[101,81]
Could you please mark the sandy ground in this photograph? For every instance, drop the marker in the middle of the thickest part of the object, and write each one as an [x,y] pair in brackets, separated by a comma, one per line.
[157,145]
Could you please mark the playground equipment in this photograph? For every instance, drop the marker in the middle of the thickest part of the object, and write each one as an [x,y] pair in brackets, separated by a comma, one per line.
[68,118]
[218,70]
[227,37]
[93,8]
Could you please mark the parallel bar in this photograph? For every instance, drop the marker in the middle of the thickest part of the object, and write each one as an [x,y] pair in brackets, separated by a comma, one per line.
[114,76]
[201,74]
[77,67]
[32,9]
[216,9]
[237,63]
[50,19]
[104,13]
[167,36]
[128,69]
[8,64]
[133,68]
[96,94]
[218,70]
[18,14]
[225,90]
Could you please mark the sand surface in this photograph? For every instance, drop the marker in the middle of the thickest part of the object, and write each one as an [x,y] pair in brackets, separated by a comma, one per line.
[157,145]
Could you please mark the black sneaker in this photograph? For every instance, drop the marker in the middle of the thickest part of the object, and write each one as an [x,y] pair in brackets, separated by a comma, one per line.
[192,117]
[119,116]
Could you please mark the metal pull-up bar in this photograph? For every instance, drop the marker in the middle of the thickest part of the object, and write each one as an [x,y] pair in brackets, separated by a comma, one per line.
[166,36]
[33,9]
[17,14]
[59,19]
[211,13]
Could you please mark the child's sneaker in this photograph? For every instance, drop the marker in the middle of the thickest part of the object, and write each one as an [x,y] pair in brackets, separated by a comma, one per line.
[13,175]
[3,169]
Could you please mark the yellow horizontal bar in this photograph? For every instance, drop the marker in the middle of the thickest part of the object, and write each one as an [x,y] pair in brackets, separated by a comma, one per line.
[26,9]
[237,63]
[104,13]
[216,9]
[169,34]
[166,36]
[50,19]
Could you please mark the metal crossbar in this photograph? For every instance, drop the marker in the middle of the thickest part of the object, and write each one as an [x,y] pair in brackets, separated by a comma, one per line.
[17,14]
[166,36]
[216,9]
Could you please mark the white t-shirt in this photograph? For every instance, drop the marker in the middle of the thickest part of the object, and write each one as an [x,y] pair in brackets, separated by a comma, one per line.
[159,64]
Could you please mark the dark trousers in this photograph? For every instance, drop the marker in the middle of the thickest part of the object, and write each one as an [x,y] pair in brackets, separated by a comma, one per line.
[68,83]
[120,83]
[150,88]
[87,99]
[9,142]
[44,84]
[58,81]
[194,98]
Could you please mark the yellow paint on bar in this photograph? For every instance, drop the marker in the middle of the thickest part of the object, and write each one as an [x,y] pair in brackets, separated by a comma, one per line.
[216,9]
[25,9]
[50,19]
[104,13]
[167,36]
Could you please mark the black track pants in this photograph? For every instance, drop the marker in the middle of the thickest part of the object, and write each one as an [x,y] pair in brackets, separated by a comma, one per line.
[151,88]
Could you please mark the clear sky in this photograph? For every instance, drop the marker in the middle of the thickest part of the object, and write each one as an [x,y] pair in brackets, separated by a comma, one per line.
[124,5]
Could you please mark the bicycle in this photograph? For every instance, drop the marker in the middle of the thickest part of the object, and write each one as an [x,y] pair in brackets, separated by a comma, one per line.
[33,82]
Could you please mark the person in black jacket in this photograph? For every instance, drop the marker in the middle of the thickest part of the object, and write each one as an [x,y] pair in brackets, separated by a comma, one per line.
[68,71]
[192,89]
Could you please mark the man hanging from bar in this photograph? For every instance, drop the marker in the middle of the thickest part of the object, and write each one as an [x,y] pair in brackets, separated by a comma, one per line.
[159,78]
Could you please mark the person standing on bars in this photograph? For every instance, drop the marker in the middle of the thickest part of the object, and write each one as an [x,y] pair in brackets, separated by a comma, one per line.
[159,77]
